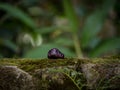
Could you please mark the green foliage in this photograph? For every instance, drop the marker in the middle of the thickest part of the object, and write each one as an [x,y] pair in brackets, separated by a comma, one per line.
[74,25]
[41,51]
[70,37]
[9,31]
[26,20]
[71,15]
[62,40]
[10,44]
[19,14]
[94,23]
[46,30]
[106,46]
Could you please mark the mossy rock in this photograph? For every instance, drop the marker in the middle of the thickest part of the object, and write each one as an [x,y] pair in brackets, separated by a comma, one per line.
[60,74]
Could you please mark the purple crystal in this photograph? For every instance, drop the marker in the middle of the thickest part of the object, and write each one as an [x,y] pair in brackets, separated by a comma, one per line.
[55,54]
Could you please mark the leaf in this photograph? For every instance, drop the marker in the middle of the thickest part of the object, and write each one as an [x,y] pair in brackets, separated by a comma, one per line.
[17,13]
[41,52]
[46,30]
[106,46]
[94,42]
[94,23]
[1,56]
[62,41]
[71,15]
[30,2]
[10,45]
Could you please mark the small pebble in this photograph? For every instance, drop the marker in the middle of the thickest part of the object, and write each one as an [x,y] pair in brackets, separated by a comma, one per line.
[55,53]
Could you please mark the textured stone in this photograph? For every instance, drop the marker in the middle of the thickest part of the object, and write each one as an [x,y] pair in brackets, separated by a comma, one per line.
[13,78]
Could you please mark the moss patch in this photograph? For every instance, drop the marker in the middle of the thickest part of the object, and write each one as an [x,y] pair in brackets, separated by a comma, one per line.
[32,64]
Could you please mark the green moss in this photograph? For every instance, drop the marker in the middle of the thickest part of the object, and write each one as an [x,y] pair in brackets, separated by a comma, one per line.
[32,64]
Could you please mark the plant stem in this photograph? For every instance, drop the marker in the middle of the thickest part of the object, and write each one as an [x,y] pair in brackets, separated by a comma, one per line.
[72,80]
[77,46]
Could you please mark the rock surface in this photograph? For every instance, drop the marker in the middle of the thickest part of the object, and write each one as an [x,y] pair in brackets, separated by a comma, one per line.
[67,74]
[13,78]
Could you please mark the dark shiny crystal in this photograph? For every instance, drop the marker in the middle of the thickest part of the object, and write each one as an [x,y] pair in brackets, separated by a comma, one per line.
[55,54]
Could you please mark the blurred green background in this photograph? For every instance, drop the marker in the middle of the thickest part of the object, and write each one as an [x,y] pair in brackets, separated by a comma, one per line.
[79,28]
